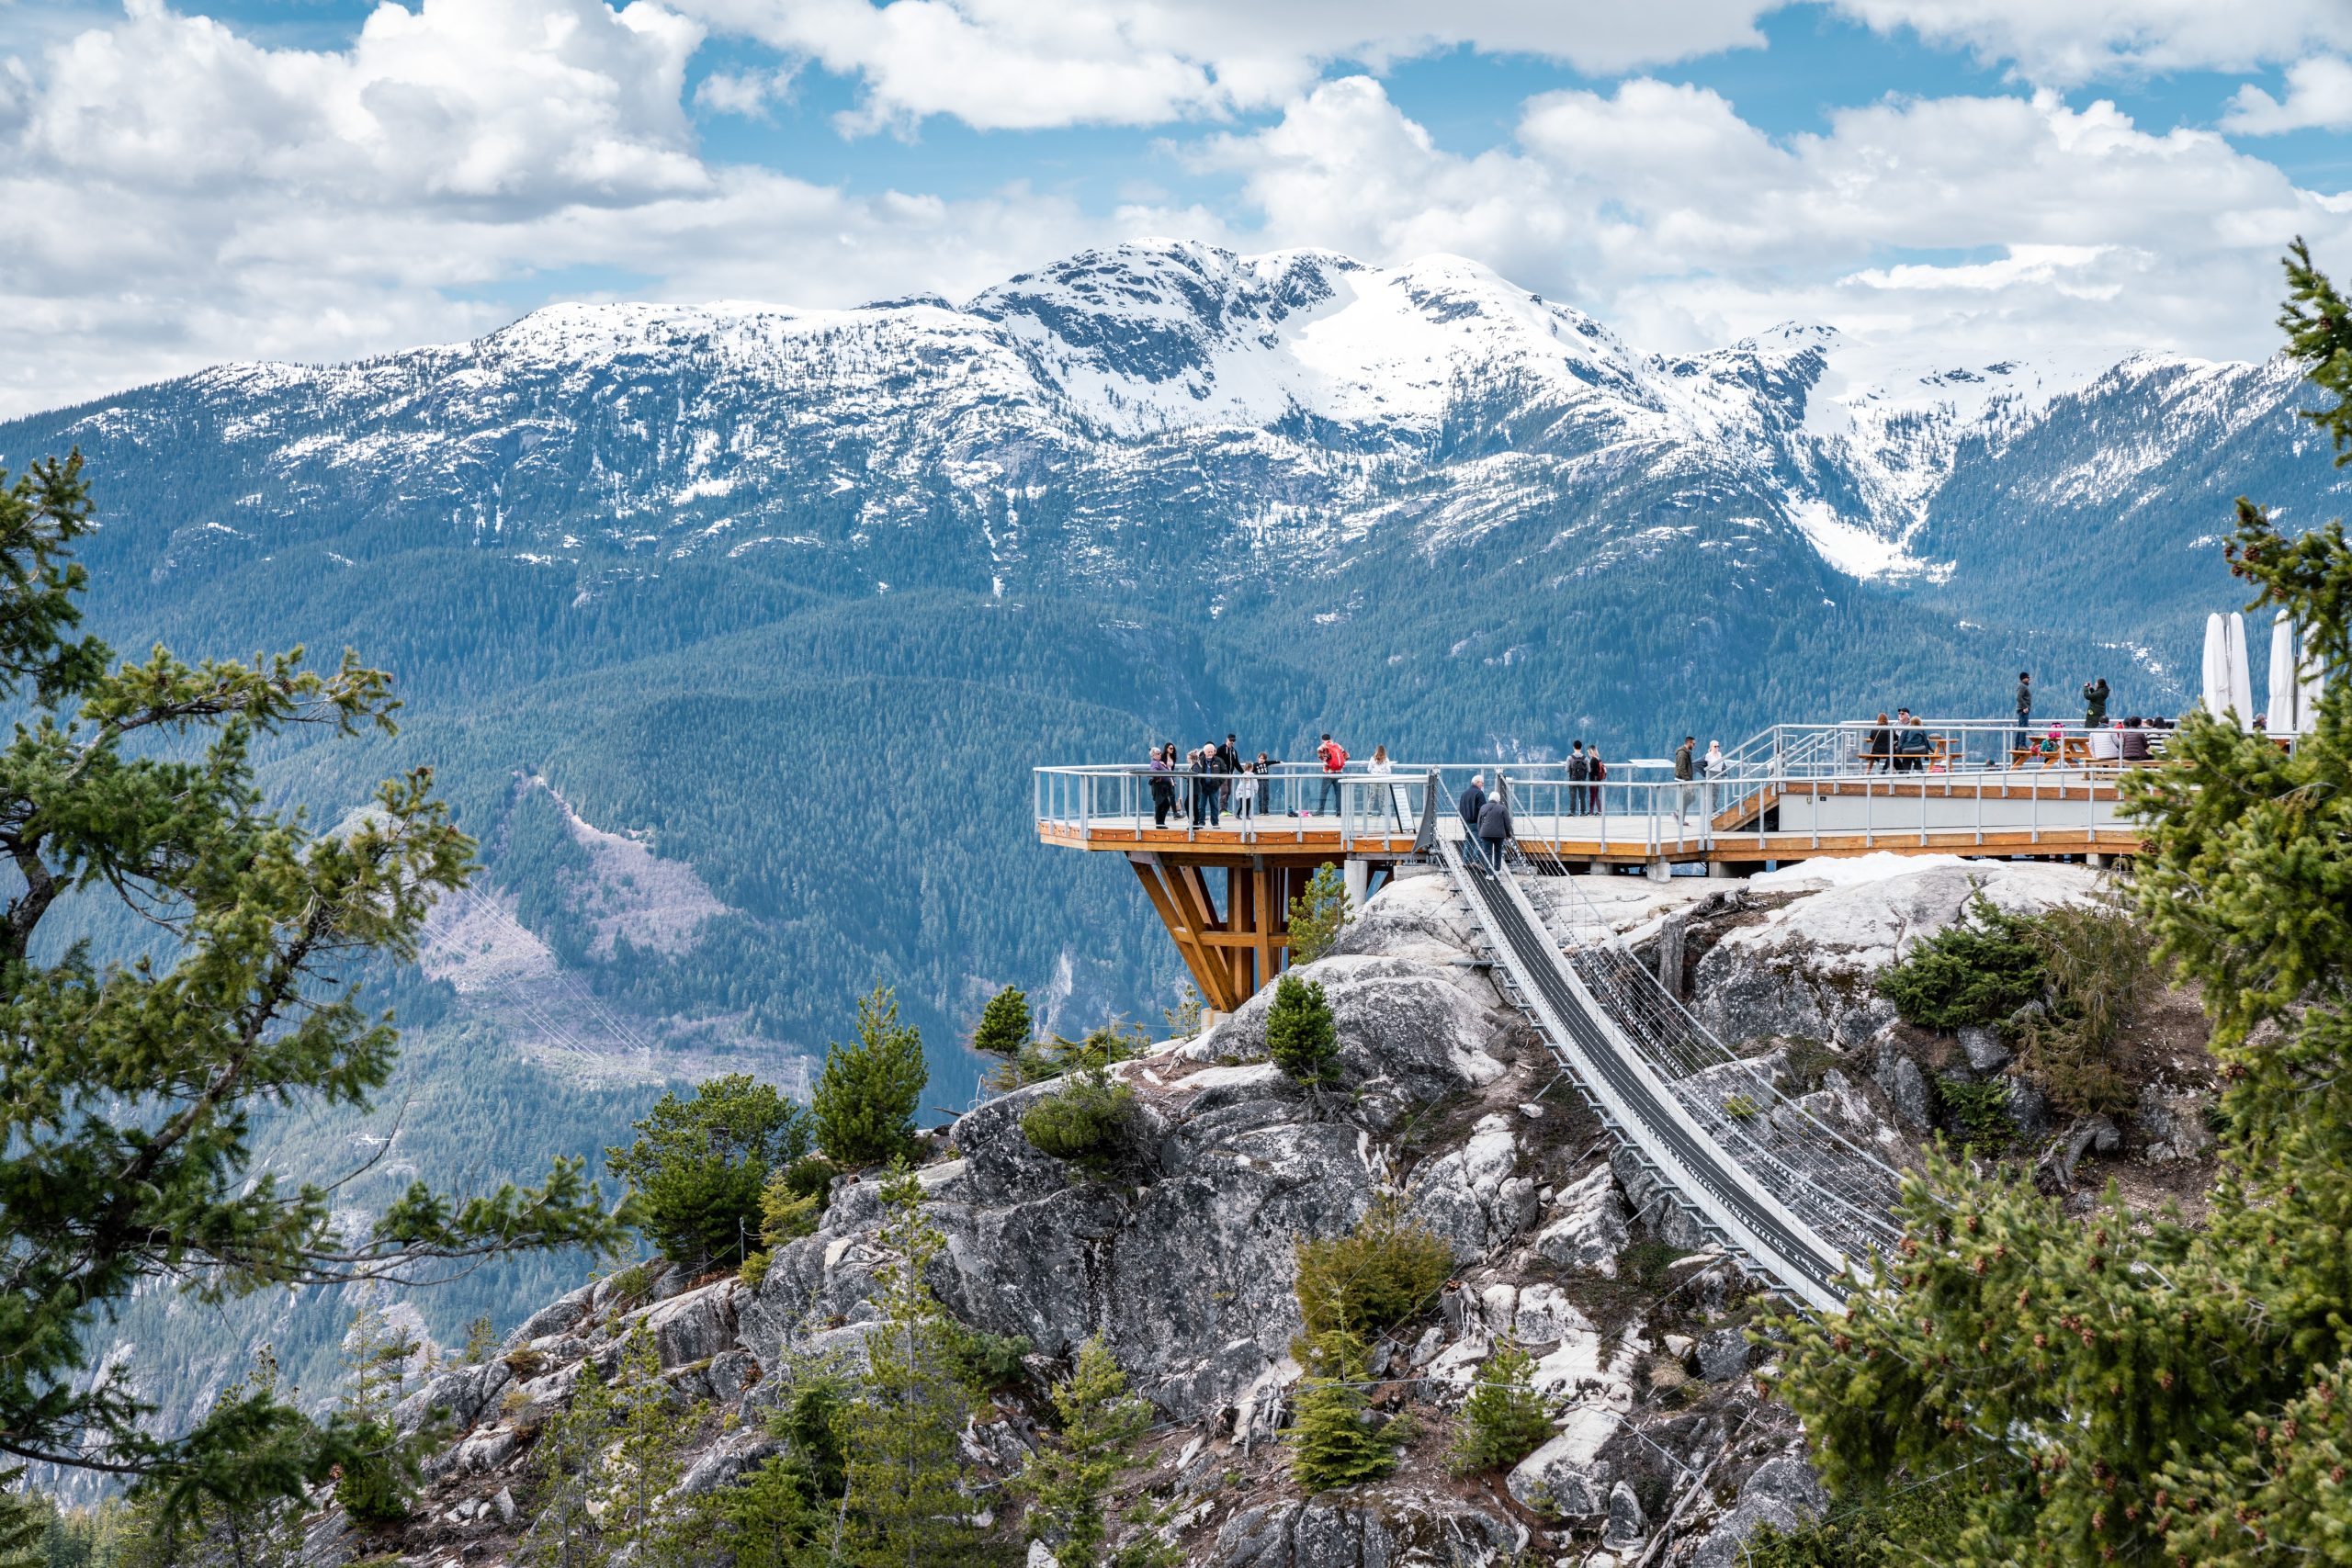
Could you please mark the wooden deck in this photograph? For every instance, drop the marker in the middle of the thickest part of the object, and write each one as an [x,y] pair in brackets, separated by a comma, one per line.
[1224,893]
[1615,841]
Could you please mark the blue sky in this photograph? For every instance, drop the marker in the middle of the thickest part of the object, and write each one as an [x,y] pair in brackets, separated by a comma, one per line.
[291,178]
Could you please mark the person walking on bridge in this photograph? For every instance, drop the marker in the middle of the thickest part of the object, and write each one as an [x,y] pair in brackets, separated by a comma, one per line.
[1473,801]
[1714,765]
[1334,758]
[1494,828]
[1683,789]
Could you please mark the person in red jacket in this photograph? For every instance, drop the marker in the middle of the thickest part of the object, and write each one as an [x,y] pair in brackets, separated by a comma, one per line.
[1334,756]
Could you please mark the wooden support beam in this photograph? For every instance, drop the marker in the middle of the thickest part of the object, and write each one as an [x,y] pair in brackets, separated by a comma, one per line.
[1271,938]
[1189,890]
[1204,968]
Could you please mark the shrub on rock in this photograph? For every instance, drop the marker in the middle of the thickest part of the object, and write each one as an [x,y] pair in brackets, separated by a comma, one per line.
[1376,1277]
[1334,1438]
[1503,1420]
[697,1167]
[1979,971]
[1301,1038]
[1089,1120]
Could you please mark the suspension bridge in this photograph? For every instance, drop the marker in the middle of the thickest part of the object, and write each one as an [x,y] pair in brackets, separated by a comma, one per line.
[1773,1174]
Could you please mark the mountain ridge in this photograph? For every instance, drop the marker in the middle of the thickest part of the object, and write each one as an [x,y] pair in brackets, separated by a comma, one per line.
[1339,376]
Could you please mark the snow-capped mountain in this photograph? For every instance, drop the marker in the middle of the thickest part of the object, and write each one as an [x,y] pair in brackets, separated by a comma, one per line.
[1253,418]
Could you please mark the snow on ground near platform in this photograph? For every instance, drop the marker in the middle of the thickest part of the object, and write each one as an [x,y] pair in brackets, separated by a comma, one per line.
[1851,871]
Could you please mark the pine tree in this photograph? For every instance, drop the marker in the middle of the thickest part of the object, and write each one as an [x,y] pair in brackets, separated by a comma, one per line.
[866,1097]
[1070,1476]
[697,1167]
[907,1505]
[1318,915]
[246,1513]
[1004,1027]
[373,1488]
[2132,1389]
[1333,1440]
[1301,1037]
[129,1089]
[568,1479]
[642,1466]
[1503,1420]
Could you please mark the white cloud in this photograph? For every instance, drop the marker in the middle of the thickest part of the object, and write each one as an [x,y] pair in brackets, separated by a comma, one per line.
[1006,65]
[2030,227]
[180,195]
[2066,43]
[2319,97]
[1023,64]
[745,93]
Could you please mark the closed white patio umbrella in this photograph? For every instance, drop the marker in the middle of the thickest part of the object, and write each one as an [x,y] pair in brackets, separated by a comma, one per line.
[2282,711]
[2314,680]
[2217,667]
[2241,672]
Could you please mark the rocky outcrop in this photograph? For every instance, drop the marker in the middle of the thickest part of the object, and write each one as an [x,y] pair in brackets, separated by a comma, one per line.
[1782,1492]
[1803,968]
[1180,1253]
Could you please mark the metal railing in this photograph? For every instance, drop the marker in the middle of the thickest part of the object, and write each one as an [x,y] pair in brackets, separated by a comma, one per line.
[1789,786]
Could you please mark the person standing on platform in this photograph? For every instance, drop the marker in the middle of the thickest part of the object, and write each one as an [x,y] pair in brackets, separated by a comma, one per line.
[1494,828]
[1163,786]
[1212,783]
[1229,761]
[1595,771]
[1383,769]
[1712,765]
[1579,770]
[1249,795]
[1473,801]
[2025,710]
[1683,789]
[2094,695]
[1334,758]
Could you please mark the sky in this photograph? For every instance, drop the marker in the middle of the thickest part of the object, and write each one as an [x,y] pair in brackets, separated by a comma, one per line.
[1947,180]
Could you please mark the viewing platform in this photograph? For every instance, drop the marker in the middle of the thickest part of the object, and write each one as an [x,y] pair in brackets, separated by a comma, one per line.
[1793,792]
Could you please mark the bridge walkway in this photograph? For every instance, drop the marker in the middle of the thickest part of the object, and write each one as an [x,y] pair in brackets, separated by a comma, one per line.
[1792,1196]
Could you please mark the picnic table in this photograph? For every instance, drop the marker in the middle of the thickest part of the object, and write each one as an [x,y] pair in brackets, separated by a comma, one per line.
[2072,749]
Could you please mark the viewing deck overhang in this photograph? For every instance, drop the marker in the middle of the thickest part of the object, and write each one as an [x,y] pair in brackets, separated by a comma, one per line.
[1222,885]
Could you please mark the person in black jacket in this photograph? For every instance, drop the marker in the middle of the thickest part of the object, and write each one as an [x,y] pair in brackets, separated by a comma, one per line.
[1494,828]
[1473,801]
[1580,770]
[1878,747]
[2025,710]
[1208,787]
